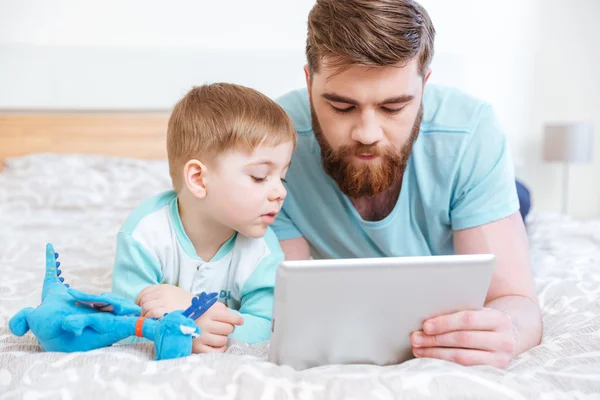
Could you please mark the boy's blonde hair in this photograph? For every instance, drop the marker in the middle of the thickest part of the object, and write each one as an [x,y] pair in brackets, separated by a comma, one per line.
[212,119]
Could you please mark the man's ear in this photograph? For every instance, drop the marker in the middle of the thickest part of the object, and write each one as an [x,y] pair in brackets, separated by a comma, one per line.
[307,76]
[194,175]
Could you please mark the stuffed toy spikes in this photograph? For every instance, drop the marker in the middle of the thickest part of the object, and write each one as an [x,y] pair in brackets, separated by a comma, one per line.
[69,320]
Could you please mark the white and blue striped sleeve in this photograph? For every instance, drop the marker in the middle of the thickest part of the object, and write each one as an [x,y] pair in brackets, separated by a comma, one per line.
[135,268]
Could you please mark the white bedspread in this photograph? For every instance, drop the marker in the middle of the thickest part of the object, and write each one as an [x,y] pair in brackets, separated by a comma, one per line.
[78,204]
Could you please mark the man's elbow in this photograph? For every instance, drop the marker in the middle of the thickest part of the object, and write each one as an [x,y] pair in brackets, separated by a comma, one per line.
[533,328]
[539,326]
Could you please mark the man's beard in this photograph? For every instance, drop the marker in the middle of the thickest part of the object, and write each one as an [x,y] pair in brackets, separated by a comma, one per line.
[365,179]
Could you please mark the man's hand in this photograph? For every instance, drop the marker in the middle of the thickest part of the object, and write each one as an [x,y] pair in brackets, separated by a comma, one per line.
[216,324]
[468,337]
[156,300]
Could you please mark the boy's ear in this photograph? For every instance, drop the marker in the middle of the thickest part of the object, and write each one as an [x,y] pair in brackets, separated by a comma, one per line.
[427,75]
[194,175]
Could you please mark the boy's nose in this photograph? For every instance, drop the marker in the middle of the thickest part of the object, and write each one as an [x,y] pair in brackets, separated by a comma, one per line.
[278,193]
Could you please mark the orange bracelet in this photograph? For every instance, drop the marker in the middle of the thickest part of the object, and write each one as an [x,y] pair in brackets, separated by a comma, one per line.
[138,326]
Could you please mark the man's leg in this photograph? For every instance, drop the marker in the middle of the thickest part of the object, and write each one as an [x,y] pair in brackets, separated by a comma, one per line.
[524,199]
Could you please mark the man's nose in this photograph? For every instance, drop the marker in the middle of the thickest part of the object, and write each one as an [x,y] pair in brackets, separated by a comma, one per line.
[367,130]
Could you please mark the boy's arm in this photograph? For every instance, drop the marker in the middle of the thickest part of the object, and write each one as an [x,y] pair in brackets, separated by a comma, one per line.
[257,302]
[135,268]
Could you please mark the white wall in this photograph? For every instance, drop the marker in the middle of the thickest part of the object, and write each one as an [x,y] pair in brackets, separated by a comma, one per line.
[144,54]
[120,54]
[123,23]
[132,54]
[566,88]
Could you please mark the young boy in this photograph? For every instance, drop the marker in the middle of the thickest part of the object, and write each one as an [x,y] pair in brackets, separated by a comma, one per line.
[229,148]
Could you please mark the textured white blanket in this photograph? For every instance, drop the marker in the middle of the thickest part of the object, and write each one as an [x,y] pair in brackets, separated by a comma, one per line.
[78,203]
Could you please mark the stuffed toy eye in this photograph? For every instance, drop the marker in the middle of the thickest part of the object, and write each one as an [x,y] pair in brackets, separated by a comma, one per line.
[195,335]
[187,330]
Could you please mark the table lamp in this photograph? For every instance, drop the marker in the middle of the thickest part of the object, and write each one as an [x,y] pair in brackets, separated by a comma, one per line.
[568,143]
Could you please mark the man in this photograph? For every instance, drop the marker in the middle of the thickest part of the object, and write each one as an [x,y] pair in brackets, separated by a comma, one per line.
[387,166]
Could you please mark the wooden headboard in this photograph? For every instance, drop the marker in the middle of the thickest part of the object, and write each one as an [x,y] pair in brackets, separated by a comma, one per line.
[127,134]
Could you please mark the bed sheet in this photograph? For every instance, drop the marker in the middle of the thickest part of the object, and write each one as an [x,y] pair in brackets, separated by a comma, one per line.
[78,202]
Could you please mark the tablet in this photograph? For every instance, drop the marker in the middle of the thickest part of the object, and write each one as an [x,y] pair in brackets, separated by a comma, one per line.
[362,311]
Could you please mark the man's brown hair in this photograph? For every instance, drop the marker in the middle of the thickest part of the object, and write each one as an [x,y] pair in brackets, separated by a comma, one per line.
[369,32]
[212,119]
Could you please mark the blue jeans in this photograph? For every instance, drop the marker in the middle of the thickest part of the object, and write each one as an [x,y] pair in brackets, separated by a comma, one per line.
[524,199]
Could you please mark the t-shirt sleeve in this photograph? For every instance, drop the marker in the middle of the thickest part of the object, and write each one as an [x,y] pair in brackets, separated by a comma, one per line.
[257,301]
[284,227]
[484,189]
[135,268]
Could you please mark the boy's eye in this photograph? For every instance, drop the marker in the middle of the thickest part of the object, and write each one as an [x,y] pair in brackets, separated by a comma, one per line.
[283,180]
[258,180]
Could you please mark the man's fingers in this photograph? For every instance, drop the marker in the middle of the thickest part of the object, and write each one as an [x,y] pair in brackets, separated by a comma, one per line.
[220,328]
[145,294]
[478,340]
[228,317]
[472,320]
[464,356]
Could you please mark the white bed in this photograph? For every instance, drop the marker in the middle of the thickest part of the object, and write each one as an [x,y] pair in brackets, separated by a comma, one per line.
[78,202]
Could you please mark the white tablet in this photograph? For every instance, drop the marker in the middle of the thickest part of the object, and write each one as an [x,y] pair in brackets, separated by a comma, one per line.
[362,311]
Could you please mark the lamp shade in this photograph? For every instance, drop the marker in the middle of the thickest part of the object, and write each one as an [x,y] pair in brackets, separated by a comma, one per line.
[572,142]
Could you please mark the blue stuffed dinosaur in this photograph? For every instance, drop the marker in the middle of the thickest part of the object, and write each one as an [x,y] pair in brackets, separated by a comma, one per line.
[69,320]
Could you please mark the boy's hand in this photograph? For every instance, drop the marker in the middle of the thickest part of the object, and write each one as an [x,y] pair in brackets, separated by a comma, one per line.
[156,300]
[215,325]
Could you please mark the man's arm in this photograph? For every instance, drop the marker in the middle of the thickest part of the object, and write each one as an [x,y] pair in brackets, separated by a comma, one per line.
[512,289]
[510,323]
[295,249]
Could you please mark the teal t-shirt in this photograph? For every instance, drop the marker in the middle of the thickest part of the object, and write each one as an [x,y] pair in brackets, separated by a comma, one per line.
[460,175]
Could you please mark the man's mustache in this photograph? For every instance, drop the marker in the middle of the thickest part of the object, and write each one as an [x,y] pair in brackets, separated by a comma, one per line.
[359,150]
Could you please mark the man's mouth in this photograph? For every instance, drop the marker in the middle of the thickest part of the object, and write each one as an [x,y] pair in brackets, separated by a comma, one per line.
[367,157]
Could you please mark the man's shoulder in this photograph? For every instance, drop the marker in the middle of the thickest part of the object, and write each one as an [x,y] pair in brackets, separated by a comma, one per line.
[150,209]
[450,110]
[297,106]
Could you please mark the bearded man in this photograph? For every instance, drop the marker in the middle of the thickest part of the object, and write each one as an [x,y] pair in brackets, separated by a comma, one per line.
[387,165]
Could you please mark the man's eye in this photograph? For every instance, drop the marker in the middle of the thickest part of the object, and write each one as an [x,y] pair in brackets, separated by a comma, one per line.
[283,180]
[392,110]
[342,110]
[258,180]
